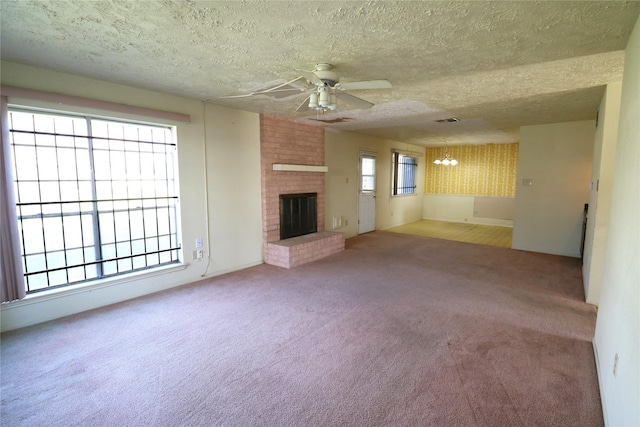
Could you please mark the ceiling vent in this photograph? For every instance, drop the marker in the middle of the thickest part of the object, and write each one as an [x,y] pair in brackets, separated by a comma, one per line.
[449,120]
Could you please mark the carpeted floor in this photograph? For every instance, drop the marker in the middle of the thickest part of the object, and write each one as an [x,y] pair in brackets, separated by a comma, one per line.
[398,330]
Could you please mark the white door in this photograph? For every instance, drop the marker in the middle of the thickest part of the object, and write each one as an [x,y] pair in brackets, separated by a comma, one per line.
[367,196]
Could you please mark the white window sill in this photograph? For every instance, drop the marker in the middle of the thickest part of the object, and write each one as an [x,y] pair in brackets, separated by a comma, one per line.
[404,195]
[64,291]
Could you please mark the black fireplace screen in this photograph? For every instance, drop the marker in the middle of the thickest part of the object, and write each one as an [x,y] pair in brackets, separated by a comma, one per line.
[298,214]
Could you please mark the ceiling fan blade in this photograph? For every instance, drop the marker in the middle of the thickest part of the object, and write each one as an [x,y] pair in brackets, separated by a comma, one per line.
[280,93]
[354,100]
[304,106]
[275,92]
[368,84]
[311,77]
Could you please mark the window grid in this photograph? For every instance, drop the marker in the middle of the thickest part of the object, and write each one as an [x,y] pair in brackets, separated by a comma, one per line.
[368,174]
[88,205]
[404,174]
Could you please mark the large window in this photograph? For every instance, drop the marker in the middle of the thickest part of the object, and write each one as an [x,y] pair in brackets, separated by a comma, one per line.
[94,198]
[404,174]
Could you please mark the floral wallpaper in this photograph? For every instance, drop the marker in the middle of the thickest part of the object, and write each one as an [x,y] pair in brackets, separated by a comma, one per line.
[482,170]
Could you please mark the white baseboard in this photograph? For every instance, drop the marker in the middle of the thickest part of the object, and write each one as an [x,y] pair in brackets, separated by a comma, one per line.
[478,221]
[598,370]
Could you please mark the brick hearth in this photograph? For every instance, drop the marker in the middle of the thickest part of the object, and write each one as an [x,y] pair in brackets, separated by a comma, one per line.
[300,250]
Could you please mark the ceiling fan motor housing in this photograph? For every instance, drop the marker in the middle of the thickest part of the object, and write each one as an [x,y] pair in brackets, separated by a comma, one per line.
[324,73]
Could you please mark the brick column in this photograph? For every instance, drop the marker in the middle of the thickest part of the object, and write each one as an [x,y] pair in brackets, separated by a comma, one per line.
[285,141]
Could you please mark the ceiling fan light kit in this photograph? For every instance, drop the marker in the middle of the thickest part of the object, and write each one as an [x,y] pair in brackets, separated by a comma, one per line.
[322,100]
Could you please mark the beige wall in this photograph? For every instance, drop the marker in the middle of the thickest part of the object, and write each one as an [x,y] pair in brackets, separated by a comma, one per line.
[618,325]
[342,153]
[600,198]
[235,233]
[549,213]
[233,176]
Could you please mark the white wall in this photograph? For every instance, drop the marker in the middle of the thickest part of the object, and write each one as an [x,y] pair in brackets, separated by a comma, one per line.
[342,155]
[455,208]
[549,213]
[233,193]
[618,323]
[600,197]
[233,172]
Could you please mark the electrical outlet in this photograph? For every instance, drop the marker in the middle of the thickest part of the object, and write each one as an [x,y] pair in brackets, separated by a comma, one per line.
[198,242]
[199,253]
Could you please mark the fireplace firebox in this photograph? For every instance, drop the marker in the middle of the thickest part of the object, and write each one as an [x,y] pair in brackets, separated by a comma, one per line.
[298,214]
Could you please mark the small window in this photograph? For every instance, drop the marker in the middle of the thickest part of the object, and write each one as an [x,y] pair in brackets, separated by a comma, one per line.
[368,174]
[404,174]
[94,198]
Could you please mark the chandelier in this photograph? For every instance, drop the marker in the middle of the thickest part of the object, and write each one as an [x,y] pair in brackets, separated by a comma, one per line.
[448,159]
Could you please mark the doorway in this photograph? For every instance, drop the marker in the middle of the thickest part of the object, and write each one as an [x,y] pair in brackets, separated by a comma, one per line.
[367,193]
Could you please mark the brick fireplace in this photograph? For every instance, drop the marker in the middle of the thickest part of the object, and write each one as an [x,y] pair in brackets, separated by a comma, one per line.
[285,142]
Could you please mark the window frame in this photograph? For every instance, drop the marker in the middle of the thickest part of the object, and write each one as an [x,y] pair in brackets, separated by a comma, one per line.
[172,198]
[397,170]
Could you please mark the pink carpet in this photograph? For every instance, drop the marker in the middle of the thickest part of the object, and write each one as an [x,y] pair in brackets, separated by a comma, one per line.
[398,330]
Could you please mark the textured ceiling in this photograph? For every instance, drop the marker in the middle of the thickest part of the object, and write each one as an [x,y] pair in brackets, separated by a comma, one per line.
[494,65]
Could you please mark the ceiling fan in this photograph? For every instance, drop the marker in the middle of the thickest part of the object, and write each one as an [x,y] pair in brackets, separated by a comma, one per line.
[327,89]
[324,89]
